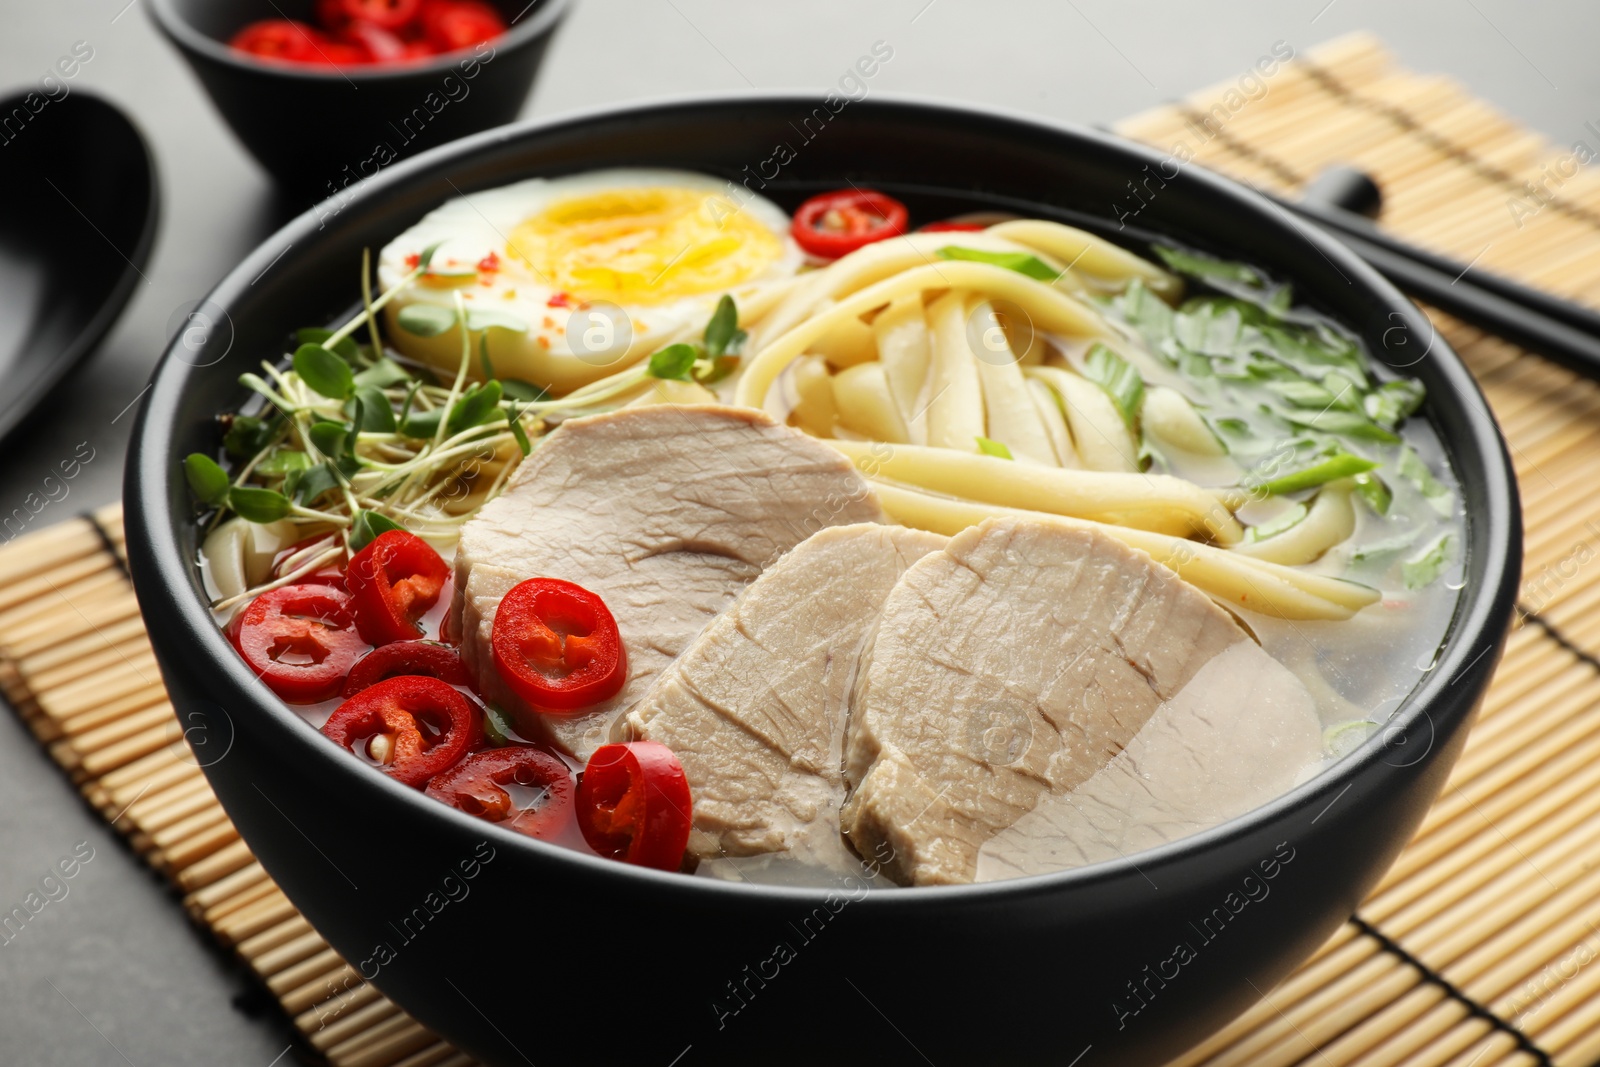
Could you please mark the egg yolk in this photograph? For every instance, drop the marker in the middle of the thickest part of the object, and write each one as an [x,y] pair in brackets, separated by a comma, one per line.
[644,246]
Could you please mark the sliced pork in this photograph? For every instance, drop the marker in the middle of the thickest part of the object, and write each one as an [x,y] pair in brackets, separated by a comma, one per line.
[666,512]
[1007,680]
[755,708]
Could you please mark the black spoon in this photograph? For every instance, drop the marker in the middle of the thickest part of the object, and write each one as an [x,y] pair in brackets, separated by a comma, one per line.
[1342,199]
[79,217]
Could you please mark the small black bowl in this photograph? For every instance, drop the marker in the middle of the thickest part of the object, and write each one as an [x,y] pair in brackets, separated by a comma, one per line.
[318,129]
[522,952]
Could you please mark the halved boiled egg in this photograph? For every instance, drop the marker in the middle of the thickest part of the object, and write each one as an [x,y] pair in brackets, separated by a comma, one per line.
[575,278]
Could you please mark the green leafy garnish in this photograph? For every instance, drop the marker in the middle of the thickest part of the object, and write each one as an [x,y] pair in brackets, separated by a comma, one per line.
[368,525]
[246,436]
[722,333]
[488,318]
[425,320]
[477,406]
[329,437]
[283,461]
[1387,547]
[674,362]
[1207,268]
[522,392]
[258,505]
[1344,424]
[1021,262]
[207,479]
[1426,567]
[1328,467]
[313,483]
[345,347]
[369,411]
[324,371]
[1119,378]
[1415,471]
[1375,491]
[1287,520]
[994,448]
[1393,402]
[514,417]
[1147,313]
[382,374]
[421,425]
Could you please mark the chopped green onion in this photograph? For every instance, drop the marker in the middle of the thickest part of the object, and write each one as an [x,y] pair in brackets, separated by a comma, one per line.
[1021,262]
[1344,424]
[1426,567]
[1394,402]
[1328,467]
[993,448]
[1437,494]
[1375,492]
[1207,268]
[1287,520]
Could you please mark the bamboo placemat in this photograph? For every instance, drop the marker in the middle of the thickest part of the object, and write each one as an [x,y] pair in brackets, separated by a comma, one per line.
[1476,948]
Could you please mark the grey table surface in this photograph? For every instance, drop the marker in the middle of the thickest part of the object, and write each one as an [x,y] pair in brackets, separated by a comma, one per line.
[113,973]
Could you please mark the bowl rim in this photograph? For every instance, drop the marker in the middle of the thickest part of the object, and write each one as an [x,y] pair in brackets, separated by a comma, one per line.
[178,29]
[1493,532]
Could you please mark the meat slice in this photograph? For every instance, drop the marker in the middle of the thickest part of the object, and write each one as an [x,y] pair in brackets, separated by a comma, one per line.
[755,708]
[1011,668]
[666,512]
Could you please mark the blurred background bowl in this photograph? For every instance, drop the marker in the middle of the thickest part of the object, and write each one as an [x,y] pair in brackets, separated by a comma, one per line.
[319,128]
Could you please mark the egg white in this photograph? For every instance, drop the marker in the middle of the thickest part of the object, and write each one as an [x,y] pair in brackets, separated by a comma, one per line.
[470,228]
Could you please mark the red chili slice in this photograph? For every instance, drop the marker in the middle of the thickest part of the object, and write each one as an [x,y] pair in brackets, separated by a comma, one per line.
[453,24]
[478,786]
[393,582]
[557,647]
[301,640]
[411,727]
[634,804]
[379,44]
[406,658]
[385,14]
[284,39]
[331,574]
[835,224]
[952,227]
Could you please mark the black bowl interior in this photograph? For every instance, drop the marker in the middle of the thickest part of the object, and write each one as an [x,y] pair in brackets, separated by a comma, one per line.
[941,159]
[84,206]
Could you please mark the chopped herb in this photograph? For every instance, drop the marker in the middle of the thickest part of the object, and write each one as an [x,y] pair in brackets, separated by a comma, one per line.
[1375,491]
[674,362]
[1207,268]
[1394,402]
[1283,522]
[324,371]
[1119,378]
[368,525]
[1344,424]
[1021,262]
[1415,471]
[258,505]
[425,320]
[993,448]
[1426,567]
[1303,394]
[206,478]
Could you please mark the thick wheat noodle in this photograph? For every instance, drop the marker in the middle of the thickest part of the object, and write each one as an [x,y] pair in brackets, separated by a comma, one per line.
[1157,502]
[1050,308]
[1233,579]
[1331,520]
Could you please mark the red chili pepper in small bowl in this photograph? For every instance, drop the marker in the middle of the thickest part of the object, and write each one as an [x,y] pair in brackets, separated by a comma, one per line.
[479,786]
[634,804]
[835,224]
[393,582]
[557,647]
[399,658]
[300,639]
[410,727]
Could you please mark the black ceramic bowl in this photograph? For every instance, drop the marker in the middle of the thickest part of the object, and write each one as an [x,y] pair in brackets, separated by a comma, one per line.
[551,957]
[317,129]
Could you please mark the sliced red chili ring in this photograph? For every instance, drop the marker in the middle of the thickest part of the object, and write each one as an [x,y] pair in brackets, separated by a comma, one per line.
[453,24]
[557,647]
[483,785]
[393,581]
[952,227]
[835,224]
[285,562]
[301,640]
[410,727]
[283,39]
[634,804]
[385,14]
[406,657]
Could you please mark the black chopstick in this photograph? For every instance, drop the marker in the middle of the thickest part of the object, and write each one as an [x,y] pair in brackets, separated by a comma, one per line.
[1560,330]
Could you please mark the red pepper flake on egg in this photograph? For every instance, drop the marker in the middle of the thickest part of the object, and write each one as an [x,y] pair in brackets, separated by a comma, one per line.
[558,300]
[489,264]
